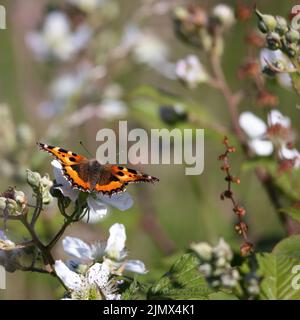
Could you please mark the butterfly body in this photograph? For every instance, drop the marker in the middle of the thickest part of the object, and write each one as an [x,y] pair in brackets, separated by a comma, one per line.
[89,175]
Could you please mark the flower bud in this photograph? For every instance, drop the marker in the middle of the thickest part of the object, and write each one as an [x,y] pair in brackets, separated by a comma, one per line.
[292,36]
[266,22]
[20,197]
[215,283]
[223,250]
[46,182]
[203,250]
[206,269]
[253,286]
[180,13]
[262,26]
[2,203]
[11,206]
[229,279]
[273,41]
[46,185]
[33,179]
[291,49]
[221,262]
[281,26]
[224,15]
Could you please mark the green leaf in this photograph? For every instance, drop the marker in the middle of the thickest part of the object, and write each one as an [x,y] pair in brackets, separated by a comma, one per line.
[131,292]
[295,76]
[183,281]
[292,212]
[220,295]
[276,270]
[289,247]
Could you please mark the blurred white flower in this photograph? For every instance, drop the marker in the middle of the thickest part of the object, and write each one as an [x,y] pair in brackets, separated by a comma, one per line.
[113,252]
[279,60]
[56,40]
[275,117]
[215,264]
[191,71]
[206,269]
[93,285]
[263,137]
[147,48]
[224,14]
[230,279]
[62,90]
[223,250]
[256,129]
[97,202]
[111,109]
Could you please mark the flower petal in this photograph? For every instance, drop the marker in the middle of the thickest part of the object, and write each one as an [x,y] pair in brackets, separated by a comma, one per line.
[121,201]
[77,248]
[3,236]
[116,241]
[98,250]
[271,56]
[285,80]
[275,57]
[287,153]
[98,274]
[261,147]
[71,279]
[191,71]
[37,44]
[113,296]
[136,266]
[97,210]
[276,117]
[63,184]
[252,125]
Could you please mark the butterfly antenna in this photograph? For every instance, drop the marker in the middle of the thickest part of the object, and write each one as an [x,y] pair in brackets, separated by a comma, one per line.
[85,148]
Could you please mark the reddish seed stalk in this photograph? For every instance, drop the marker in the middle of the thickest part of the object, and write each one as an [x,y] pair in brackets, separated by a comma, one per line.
[241,227]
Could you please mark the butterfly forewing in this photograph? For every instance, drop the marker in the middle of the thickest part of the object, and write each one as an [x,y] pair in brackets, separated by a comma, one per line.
[63,156]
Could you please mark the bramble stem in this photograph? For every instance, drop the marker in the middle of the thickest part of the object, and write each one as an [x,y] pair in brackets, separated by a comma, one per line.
[233,100]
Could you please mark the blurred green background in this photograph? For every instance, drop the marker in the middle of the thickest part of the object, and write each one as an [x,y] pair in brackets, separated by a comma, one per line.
[188,208]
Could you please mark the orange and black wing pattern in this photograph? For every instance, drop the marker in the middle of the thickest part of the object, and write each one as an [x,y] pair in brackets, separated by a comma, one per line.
[119,177]
[65,157]
[70,162]
[88,175]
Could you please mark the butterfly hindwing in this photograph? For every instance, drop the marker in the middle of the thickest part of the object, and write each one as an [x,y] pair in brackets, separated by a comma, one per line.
[128,175]
[114,179]
[73,176]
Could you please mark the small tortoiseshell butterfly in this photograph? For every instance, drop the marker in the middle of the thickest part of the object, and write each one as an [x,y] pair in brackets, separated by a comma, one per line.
[89,175]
